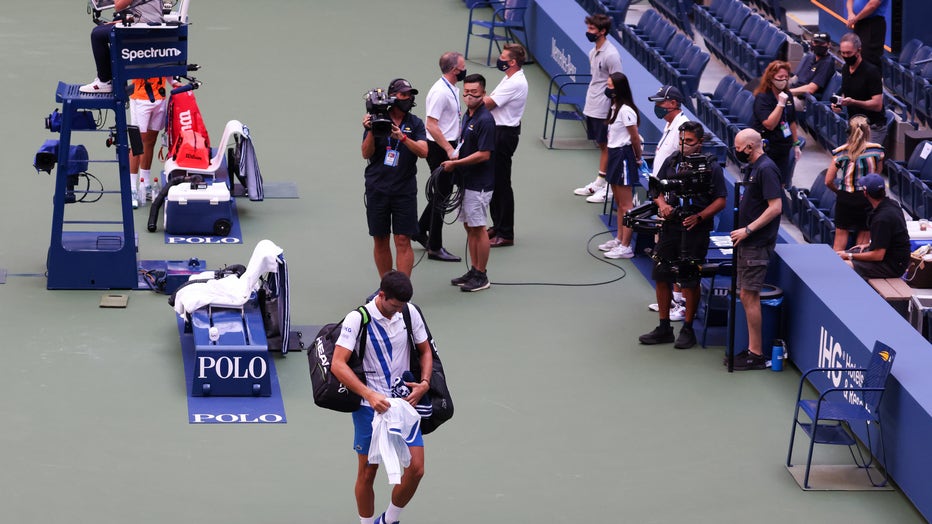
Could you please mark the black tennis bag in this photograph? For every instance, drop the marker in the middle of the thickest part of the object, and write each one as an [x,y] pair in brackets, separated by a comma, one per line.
[440,399]
[328,391]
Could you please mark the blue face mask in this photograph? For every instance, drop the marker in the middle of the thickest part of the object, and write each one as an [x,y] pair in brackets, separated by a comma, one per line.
[661,112]
[502,65]
[609,92]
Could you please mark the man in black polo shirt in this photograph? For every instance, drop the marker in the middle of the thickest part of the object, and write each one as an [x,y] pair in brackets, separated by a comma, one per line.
[887,255]
[861,88]
[391,179]
[476,174]
[755,237]
[814,71]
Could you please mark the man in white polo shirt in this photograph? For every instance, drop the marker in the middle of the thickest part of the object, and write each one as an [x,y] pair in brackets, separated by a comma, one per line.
[506,102]
[603,61]
[443,130]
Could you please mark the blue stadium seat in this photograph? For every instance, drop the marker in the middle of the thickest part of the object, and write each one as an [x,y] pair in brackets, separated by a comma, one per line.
[507,16]
[904,79]
[892,65]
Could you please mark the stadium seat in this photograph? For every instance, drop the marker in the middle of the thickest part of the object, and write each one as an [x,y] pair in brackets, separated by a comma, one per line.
[507,16]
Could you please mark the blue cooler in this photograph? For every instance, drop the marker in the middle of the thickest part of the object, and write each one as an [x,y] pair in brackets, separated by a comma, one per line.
[204,209]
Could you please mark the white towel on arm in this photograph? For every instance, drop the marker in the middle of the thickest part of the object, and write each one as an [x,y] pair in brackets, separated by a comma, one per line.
[391,433]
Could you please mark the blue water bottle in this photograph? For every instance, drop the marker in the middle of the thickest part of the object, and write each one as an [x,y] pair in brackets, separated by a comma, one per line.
[777,356]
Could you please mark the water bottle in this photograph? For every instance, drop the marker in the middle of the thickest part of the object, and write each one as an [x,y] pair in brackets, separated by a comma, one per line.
[776,358]
[155,189]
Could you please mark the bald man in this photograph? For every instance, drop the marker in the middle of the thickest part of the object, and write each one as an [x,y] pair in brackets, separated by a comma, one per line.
[755,237]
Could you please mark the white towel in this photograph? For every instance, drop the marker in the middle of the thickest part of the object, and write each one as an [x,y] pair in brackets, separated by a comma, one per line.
[391,433]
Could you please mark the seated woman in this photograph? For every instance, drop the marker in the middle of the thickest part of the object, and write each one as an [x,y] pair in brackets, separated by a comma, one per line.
[144,11]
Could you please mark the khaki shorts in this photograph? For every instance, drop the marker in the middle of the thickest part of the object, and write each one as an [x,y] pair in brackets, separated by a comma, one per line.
[752,266]
[474,208]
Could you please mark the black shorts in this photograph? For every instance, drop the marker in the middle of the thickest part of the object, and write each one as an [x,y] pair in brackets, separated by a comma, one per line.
[597,129]
[851,210]
[387,214]
[752,266]
[675,244]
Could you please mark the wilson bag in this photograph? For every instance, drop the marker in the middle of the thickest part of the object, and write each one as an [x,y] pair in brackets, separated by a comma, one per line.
[188,141]
[328,391]
[440,399]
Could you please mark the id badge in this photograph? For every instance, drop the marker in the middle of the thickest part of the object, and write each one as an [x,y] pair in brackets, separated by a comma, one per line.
[456,151]
[391,158]
[786,129]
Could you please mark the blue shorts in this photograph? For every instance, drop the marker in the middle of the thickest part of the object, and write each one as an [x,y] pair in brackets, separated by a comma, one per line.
[362,422]
[622,169]
[597,130]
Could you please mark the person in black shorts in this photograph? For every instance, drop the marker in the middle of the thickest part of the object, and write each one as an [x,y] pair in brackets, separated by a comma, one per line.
[887,255]
[684,235]
[391,179]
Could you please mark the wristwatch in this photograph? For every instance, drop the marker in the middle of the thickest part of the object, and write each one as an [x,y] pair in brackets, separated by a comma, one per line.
[748,230]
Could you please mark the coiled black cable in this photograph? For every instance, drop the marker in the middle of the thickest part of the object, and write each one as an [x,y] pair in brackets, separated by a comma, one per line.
[445,204]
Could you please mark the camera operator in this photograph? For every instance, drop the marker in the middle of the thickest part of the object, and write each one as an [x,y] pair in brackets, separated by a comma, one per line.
[687,209]
[391,175]
[137,10]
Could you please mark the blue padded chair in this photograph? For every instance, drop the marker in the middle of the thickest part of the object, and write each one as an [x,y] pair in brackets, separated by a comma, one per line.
[507,16]
[898,71]
[565,100]
[617,10]
[830,417]
[890,64]
[714,298]
[900,174]
[688,81]
[905,81]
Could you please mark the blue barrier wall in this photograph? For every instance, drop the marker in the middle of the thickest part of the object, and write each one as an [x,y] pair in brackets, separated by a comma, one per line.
[832,318]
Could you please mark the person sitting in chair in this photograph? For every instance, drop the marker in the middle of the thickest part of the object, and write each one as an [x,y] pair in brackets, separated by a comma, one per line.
[146,11]
[887,255]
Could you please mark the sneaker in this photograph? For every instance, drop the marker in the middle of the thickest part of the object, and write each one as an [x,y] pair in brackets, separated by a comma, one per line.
[97,87]
[687,338]
[658,336]
[620,252]
[740,355]
[746,361]
[591,187]
[610,245]
[459,281]
[381,520]
[477,282]
[677,312]
[600,196]
[135,198]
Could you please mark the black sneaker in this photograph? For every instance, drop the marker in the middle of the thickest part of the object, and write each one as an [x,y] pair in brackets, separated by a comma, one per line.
[477,282]
[750,361]
[659,335]
[459,281]
[740,355]
[687,338]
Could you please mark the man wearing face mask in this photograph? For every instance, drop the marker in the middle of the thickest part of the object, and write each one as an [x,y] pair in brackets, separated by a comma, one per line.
[443,132]
[391,180]
[814,71]
[603,61]
[861,88]
[506,102]
[684,237]
[755,237]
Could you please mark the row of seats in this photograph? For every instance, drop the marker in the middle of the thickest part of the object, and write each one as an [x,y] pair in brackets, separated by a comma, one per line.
[727,110]
[617,10]
[813,211]
[829,128]
[771,8]
[668,55]
[909,77]
[676,11]
[910,181]
[742,39]
[506,17]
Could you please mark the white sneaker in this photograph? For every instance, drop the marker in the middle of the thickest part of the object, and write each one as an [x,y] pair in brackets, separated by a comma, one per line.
[591,187]
[656,307]
[620,252]
[600,196]
[677,313]
[97,87]
[610,245]
[135,199]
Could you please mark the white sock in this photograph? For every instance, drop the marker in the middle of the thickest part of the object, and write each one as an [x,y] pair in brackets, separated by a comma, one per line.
[367,520]
[145,176]
[602,175]
[133,177]
[393,513]
[677,296]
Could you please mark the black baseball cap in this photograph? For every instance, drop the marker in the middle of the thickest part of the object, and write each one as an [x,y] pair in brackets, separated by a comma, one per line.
[821,38]
[667,93]
[400,85]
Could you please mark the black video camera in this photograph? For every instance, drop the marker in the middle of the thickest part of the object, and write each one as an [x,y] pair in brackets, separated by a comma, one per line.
[642,219]
[378,103]
[693,178]
[834,99]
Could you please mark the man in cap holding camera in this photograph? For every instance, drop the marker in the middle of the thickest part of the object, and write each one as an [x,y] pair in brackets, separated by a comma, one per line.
[755,237]
[687,208]
[887,254]
[391,177]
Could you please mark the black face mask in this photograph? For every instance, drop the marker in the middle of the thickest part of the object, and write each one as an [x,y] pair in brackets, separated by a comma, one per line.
[851,60]
[609,92]
[592,37]
[820,50]
[461,75]
[404,105]
[502,65]
[743,156]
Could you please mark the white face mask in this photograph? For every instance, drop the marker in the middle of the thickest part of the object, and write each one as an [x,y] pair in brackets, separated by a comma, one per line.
[780,84]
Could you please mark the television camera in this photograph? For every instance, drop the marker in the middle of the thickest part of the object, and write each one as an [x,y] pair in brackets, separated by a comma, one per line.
[378,103]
